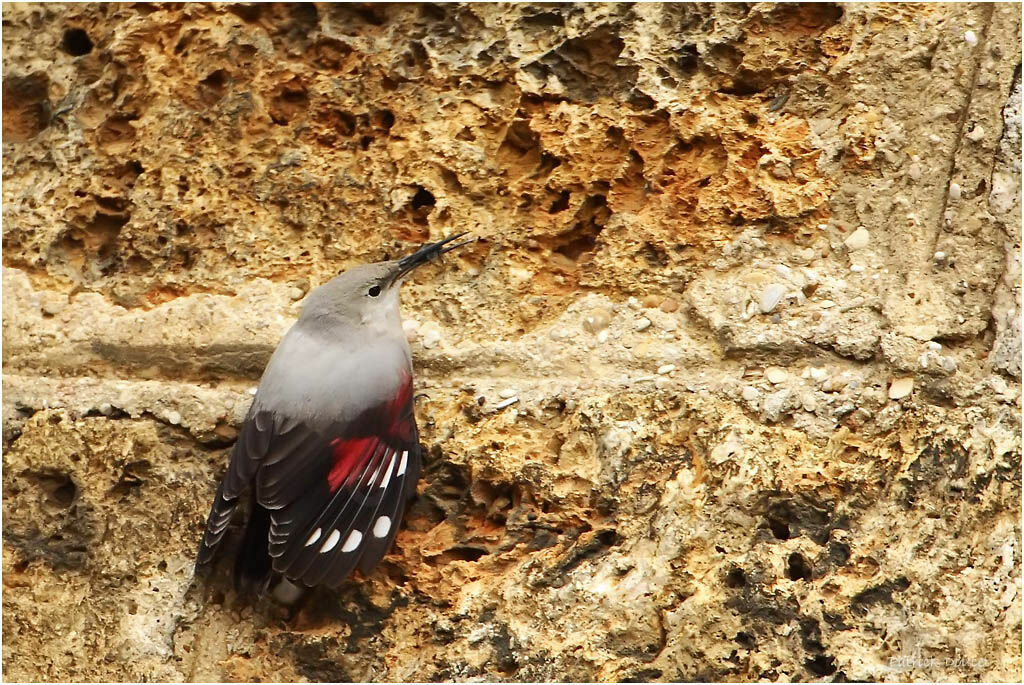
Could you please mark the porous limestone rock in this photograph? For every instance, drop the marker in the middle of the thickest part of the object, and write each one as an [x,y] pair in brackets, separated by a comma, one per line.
[177,177]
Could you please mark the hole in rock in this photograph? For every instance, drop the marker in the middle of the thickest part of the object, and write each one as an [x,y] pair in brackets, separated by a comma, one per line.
[735,578]
[798,568]
[76,42]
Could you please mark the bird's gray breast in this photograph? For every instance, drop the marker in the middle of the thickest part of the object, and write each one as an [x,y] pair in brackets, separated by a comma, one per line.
[329,377]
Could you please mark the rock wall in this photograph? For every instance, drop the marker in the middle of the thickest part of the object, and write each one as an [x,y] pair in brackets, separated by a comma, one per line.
[728,389]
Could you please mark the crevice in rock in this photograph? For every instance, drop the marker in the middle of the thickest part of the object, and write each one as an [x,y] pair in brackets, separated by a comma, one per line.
[979,56]
[26,106]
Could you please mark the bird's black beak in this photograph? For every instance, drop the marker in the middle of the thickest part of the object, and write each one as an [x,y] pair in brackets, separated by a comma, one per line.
[427,253]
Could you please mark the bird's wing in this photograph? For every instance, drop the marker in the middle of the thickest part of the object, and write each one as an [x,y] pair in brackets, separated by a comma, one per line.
[335,494]
[336,497]
[250,449]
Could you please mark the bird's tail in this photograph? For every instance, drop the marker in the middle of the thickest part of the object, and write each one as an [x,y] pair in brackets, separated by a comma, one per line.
[253,563]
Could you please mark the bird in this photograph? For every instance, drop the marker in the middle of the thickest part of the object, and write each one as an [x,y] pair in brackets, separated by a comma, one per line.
[329,451]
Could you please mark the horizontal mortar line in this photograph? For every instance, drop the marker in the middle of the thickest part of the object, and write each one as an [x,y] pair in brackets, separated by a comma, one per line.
[454,382]
[478,364]
[200,408]
[214,361]
[97,381]
[201,367]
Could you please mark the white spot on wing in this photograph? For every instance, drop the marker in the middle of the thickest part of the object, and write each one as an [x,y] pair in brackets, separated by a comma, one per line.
[382,526]
[387,476]
[313,538]
[332,540]
[401,466]
[376,472]
[354,538]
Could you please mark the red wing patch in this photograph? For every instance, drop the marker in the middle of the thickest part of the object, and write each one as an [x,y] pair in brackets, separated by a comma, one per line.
[396,425]
[400,413]
[350,456]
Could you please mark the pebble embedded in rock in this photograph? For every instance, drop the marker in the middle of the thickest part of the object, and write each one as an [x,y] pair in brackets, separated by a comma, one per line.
[749,393]
[776,405]
[597,320]
[507,393]
[808,402]
[643,324]
[955,193]
[971,38]
[429,337]
[775,374]
[54,304]
[770,297]
[900,388]
[834,384]
[668,305]
[651,301]
[173,418]
[505,403]
[749,310]
[666,368]
[844,409]
[858,240]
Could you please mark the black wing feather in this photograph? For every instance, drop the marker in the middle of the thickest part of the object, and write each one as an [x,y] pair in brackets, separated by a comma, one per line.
[392,505]
[308,562]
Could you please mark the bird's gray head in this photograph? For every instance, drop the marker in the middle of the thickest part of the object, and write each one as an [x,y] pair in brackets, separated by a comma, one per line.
[367,295]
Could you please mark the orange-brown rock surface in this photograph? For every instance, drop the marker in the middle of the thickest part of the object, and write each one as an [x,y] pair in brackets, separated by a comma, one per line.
[728,389]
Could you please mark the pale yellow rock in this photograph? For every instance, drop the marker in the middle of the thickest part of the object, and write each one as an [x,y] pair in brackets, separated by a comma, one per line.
[177,178]
[858,240]
[900,388]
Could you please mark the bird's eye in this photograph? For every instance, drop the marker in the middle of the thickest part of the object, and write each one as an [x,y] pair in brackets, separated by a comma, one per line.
[374,291]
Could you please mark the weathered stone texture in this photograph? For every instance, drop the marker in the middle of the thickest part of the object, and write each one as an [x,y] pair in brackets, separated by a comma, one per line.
[751,271]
